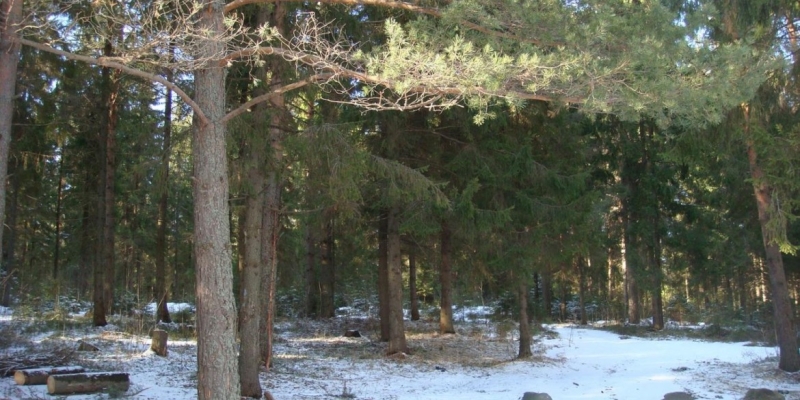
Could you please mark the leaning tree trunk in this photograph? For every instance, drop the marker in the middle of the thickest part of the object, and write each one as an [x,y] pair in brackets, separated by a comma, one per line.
[524,324]
[784,318]
[217,370]
[10,16]
[397,335]
[383,274]
[446,281]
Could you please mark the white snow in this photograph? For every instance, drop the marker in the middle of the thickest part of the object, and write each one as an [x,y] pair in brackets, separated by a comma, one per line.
[576,363]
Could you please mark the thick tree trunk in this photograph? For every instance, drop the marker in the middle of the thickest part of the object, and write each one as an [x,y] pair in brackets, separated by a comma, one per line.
[784,317]
[383,274]
[327,270]
[412,283]
[10,16]
[161,285]
[525,338]
[217,370]
[446,281]
[397,335]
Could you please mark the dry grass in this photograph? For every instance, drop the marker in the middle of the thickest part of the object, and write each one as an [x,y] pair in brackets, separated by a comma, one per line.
[474,344]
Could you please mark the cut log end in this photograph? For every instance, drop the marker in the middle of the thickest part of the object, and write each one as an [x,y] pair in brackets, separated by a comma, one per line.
[159,342]
[88,383]
[38,376]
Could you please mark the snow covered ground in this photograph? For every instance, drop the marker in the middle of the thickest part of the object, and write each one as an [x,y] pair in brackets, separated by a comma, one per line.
[313,361]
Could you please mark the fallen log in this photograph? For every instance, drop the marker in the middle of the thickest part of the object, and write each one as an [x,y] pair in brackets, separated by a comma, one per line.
[88,383]
[38,376]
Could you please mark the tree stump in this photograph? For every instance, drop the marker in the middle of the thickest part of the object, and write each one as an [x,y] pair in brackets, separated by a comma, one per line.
[159,343]
[88,383]
[38,376]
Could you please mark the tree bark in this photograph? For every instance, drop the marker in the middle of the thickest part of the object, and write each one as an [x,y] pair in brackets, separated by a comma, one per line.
[631,287]
[216,310]
[161,285]
[581,264]
[397,335]
[412,283]
[785,330]
[10,244]
[311,292]
[111,115]
[38,376]
[446,281]
[547,293]
[383,274]
[327,270]
[88,383]
[524,324]
[158,342]
[10,16]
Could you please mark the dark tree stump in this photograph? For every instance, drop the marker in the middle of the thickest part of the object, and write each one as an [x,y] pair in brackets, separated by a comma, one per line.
[159,343]
[38,376]
[88,383]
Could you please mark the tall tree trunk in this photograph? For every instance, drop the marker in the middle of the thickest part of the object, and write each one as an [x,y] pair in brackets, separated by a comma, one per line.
[311,284]
[412,283]
[252,275]
[581,264]
[397,334]
[656,301]
[9,246]
[270,232]
[524,324]
[59,203]
[547,293]
[446,281]
[327,269]
[162,287]
[10,16]
[383,274]
[784,318]
[631,287]
[217,370]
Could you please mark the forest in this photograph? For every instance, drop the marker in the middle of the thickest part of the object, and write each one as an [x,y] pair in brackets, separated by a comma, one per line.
[625,160]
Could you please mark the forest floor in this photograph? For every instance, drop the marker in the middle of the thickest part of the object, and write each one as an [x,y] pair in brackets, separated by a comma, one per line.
[313,360]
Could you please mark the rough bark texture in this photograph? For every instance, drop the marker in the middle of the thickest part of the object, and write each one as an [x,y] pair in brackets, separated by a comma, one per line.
[397,334]
[412,284]
[161,286]
[446,280]
[109,146]
[251,314]
[38,376]
[117,382]
[218,373]
[383,274]
[271,231]
[524,325]
[785,330]
[10,16]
